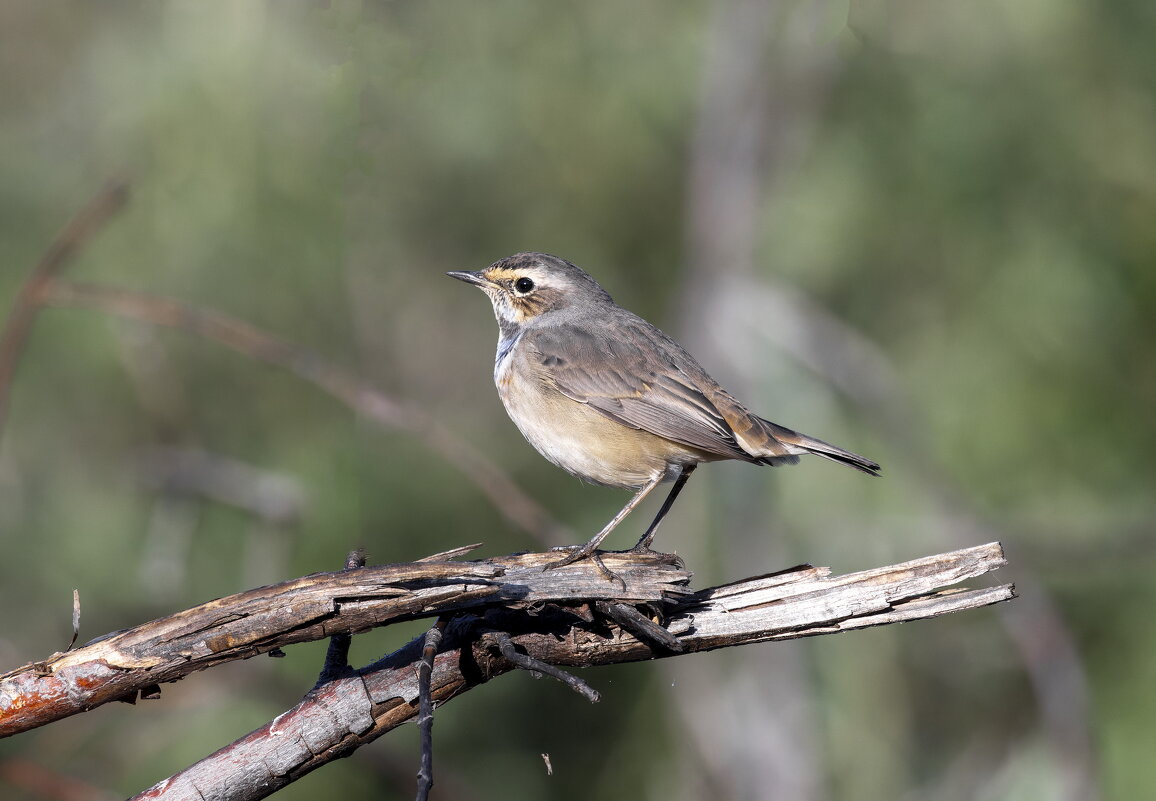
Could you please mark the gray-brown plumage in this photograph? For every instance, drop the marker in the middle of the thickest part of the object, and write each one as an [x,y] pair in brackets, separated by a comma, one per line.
[610,398]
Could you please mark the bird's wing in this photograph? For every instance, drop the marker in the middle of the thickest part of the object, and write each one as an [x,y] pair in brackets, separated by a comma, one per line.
[636,376]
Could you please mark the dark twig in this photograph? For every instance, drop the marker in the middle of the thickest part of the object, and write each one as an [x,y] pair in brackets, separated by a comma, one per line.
[507,497]
[429,650]
[526,662]
[639,625]
[29,298]
[337,655]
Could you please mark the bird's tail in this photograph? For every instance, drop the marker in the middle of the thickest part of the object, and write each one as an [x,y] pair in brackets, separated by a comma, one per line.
[795,443]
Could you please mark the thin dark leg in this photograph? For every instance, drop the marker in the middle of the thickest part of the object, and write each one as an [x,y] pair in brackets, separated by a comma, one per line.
[590,547]
[648,537]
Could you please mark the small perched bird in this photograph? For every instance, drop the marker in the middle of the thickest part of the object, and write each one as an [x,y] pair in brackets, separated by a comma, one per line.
[611,399]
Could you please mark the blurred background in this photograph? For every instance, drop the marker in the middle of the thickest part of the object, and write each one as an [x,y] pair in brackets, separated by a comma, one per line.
[922,231]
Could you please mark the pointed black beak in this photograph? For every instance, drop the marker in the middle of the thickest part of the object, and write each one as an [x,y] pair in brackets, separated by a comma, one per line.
[474,278]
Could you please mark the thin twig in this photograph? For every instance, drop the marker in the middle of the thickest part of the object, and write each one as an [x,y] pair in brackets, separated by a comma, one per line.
[526,662]
[430,646]
[507,497]
[108,200]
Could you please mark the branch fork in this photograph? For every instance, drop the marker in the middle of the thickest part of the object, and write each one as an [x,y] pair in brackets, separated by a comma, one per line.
[496,615]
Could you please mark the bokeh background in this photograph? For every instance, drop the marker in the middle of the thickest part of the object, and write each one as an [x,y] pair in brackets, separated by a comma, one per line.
[924,231]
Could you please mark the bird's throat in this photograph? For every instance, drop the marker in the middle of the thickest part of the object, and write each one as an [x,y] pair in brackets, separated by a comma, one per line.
[510,334]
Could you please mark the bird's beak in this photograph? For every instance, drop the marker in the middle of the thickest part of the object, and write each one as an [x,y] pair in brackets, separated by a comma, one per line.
[475,278]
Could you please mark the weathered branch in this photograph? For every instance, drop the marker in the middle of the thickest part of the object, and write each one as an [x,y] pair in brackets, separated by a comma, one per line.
[800,602]
[118,666]
[546,616]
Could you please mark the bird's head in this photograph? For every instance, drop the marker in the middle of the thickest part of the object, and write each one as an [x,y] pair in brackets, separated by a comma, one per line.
[526,286]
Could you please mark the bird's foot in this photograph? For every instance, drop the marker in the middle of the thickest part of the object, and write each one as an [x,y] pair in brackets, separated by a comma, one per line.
[644,549]
[587,552]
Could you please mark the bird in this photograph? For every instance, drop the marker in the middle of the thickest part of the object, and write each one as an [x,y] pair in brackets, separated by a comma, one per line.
[610,398]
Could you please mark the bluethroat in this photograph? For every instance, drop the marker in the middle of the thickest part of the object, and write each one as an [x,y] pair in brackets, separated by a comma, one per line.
[611,399]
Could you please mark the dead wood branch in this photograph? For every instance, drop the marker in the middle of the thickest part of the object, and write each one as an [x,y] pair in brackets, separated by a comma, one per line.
[119,666]
[545,614]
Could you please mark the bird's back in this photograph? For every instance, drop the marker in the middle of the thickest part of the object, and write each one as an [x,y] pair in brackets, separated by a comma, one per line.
[633,373]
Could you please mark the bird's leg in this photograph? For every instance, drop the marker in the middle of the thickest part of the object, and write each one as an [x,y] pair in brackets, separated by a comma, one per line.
[592,546]
[648,537]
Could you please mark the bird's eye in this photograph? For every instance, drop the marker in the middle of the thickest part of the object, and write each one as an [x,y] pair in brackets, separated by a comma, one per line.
[523,285]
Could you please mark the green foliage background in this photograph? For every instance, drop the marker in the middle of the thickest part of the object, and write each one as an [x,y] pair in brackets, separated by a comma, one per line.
[976,197]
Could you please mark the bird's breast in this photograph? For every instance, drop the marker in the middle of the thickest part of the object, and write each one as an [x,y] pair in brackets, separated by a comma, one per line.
[577,438]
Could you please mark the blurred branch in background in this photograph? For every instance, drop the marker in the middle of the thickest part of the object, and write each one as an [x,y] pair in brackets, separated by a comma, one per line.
[181,478]
[764,315]
[44,287]
[764,82]
[506,496]
[43,782]
[185,475]
[749,135]
[110,199]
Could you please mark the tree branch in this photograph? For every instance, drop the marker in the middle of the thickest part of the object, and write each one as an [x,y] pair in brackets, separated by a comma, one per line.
[546,615]
[119,666]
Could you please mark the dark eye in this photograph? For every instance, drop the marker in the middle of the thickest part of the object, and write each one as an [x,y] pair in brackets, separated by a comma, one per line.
[523,285]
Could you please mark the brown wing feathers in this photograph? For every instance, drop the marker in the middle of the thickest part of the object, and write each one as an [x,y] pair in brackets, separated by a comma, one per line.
[682,403]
